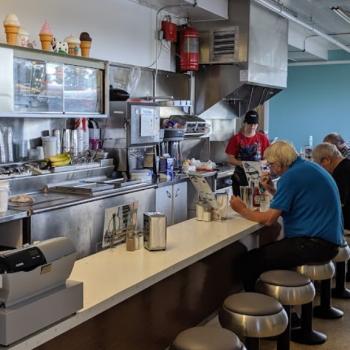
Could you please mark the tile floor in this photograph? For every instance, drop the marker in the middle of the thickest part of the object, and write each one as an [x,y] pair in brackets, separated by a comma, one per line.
[338,331]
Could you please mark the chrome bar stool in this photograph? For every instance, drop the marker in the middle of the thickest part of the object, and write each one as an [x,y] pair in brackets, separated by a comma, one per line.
[323,273]
[253,316]
[289,288]
[207,338]
[340,291]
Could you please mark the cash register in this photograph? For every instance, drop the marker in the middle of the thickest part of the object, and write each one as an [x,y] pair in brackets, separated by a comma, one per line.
[34,288]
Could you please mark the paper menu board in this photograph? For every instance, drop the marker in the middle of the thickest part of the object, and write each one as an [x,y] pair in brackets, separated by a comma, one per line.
[204,191]
[253,170]
[148,122]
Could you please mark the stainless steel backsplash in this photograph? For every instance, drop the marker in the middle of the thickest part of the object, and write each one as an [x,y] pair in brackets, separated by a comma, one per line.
[31,129]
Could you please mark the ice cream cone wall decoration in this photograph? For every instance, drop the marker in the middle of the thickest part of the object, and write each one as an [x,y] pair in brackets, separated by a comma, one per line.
[85,44]
[11,25]
[46,37]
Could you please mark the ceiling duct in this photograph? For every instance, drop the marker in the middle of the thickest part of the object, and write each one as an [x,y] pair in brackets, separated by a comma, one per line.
[244,60]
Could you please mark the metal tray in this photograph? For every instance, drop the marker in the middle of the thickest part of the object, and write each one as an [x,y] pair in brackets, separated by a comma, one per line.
[85,189]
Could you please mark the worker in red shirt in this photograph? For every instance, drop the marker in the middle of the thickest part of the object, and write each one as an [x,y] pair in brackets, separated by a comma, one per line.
[249,145]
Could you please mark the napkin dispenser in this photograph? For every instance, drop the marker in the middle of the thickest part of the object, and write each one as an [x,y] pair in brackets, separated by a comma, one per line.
[155,227]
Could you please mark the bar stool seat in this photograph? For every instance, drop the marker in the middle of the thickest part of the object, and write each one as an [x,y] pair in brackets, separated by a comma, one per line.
[291,288]
[340,291]
[324,273]
[207,338]
[253,316]
[288,287]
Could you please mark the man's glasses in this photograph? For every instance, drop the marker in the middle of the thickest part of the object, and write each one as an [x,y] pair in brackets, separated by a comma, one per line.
[270,164]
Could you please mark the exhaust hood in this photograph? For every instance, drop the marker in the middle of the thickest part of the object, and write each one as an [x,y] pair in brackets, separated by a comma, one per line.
[244,60]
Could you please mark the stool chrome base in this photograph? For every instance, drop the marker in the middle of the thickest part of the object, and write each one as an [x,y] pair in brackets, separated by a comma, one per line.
[311,337]
[325,310]
[329,313]
[341,293]
[305,333]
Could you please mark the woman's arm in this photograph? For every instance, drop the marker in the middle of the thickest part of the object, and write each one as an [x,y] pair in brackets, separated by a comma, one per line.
[233,160]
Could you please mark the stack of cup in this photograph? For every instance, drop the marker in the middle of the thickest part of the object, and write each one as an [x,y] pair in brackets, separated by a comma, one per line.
[57,134]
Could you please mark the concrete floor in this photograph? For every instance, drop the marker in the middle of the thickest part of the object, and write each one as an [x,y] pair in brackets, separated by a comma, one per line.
[338,331]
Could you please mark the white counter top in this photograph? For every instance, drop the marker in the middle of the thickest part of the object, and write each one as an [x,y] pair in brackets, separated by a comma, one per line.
[113,275]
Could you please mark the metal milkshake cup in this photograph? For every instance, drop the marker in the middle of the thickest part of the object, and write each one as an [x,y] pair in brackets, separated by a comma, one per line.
[66,140]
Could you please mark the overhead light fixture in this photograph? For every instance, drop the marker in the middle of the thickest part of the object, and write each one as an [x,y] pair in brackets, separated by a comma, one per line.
[345,15]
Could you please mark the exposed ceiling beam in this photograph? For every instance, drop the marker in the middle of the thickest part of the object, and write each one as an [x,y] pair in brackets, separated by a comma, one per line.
[302,42]
[273,6]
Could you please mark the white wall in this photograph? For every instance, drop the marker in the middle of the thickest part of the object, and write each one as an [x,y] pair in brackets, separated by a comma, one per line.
[121,30]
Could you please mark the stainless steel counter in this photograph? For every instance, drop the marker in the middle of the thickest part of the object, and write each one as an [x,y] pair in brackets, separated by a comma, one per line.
[83,220]
[176,180]
[52,201]
[12,215]
[79,217]
[221,172]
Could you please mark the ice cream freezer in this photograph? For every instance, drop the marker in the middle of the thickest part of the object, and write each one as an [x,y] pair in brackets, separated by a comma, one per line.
[34,281]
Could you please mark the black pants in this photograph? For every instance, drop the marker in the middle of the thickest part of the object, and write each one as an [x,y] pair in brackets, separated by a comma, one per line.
[283,255]
[239,178]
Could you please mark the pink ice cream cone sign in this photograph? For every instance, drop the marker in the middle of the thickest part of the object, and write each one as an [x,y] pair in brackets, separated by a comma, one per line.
[46,36]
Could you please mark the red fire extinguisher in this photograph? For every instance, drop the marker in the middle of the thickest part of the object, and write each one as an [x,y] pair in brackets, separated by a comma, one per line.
[169,29]
[188,49]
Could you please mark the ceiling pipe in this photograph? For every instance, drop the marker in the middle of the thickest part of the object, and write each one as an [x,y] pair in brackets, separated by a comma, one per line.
[283,13]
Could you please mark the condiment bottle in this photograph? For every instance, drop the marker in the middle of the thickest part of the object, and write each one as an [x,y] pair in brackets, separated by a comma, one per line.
[256,195]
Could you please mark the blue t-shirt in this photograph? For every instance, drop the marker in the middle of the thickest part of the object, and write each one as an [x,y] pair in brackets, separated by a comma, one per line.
[309,200]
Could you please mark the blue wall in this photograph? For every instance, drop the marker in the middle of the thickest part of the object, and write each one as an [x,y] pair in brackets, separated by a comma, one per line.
[316,102]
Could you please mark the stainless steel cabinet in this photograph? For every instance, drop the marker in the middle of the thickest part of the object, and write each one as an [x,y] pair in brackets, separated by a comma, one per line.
[38,86]
[83,90]
[180,202]
[84,223]
[164,202]
[171,200]
[46,87]
[43,84]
